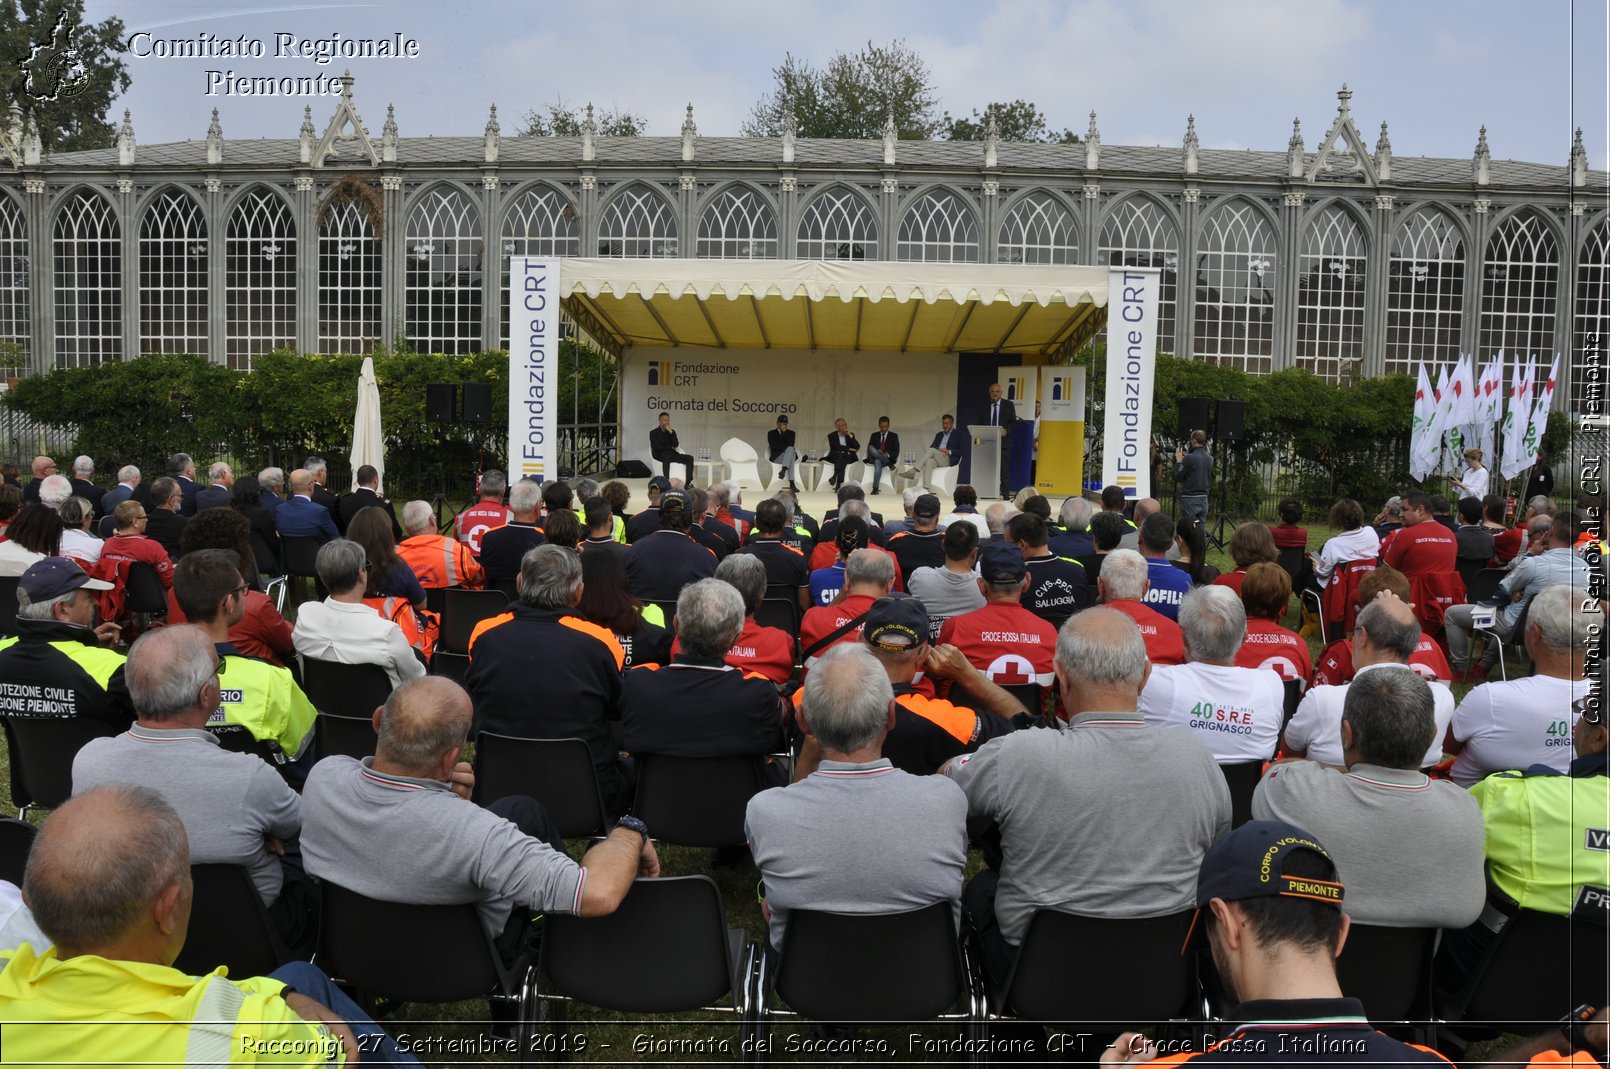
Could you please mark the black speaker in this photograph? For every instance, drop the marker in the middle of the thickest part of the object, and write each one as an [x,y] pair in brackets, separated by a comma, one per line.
[441,402]
[1193,415]
[477,402]
[1231,426]
[632,469]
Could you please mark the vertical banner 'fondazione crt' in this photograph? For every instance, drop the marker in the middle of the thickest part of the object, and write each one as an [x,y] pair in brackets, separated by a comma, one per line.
[533,367]
[1132,298]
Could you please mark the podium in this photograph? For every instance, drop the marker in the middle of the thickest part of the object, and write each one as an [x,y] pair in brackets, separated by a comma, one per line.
[986,456]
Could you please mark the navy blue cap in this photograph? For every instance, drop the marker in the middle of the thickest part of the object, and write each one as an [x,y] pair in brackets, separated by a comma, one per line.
[54,576]
[1249,862]
[896,625]
[660,482]
[1001,562]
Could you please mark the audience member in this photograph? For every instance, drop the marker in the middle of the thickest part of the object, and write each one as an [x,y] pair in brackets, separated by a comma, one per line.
[272,482]
[964,509]
[219,489]
[766,651]
[1144,507]
[853,833]
[128,477]
[600,527]
[868,576]
[1335,664]
[1557,564]
[922,546]
[1123,583]
[715,501]
[646,522]
[235,809]
[1411,845]
[618,496]
[10,502]
[1473,539]
[827,580]
[42,467]
[641,629]
[341,628]
[1189,552]
[556,496]
[130,542]
[724,496]
[996,516]
[1236,712]
[1507,539]
[1266,594]
[1057,587]
[400,825]
[366,494]
[1011,645]
[785,564]
[261,631]
[1524,722]
[1270,900]
[487,512]
[579,663]
[562,529]
[247,499]
[1075,541]
[389,576]
[108,882]
[260,697]
[953,589]
[58,664]
[1167,584]
[182,469]
[1287,534]
[83,483]
[300,516]
[1357,541]
[1252,543]
[1389,519]
[502,546]
[77,543]
[164,524]
[1108,818]
[54,490]
[660,564]
[1423,546]
[908,500]
[323,496]
[1106,534]
[436,560]
[699,509]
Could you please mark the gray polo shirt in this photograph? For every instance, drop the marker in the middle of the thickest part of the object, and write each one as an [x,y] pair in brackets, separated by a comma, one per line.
[858,838]
[1109,818]
[227,801]
[1533,575]
[1409,849]
[945,593]
[401,839]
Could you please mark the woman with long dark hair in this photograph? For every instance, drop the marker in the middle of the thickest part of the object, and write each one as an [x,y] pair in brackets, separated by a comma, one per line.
[34,534]
[389,575]
[607,601]
[1191,540]
[246,498]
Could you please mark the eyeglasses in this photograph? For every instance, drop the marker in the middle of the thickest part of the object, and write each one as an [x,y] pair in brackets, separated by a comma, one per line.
[219,669]
[241,589]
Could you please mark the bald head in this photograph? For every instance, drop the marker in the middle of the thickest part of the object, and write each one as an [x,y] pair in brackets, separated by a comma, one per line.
[1101,661]
[1144,508]
[109,874]
[168,672]
[422,725]
[1390,632]
[301,481]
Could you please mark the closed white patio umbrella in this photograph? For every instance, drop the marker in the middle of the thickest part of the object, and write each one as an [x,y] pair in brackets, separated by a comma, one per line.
[368,443]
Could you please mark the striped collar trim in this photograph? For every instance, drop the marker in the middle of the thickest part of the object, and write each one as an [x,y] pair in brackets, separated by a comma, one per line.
[397,783]
[1107,720]
[845,768]
[166,735]
[1395,779]
[1306,1022]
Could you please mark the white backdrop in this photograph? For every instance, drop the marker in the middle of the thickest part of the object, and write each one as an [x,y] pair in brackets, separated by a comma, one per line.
[716,394]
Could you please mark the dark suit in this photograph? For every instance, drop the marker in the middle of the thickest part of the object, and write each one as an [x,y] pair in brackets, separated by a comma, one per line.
[302,518]
[187,487]
[270,501]
[89,492]
[212,497]
[663,446]
[882,451]
[361,498]
[113,498]
[957,448]
[324,496]
[780,450]
[30,491]
[1003,419]
[841,455]
[165,528]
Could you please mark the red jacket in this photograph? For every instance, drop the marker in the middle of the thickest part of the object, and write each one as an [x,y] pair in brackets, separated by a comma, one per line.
[766,651]
[1165,642]
[262,632]
[1423,549]
[1335,665]
[137,547]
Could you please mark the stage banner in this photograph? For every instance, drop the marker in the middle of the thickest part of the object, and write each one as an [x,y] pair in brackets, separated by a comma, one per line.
[533,367]
[1019,385]
[1061,465]
[1132,298]
[717,394]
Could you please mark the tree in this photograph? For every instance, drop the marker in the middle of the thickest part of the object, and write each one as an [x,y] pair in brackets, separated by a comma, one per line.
[557,120]
[1019,120]
[62,73]
[852,97]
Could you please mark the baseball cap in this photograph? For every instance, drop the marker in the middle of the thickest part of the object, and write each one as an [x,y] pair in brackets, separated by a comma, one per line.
[1249,862]
[1001,562]
[675,501]
[53,577]
[782,419]
[896,625]
[926,506]
[660,482]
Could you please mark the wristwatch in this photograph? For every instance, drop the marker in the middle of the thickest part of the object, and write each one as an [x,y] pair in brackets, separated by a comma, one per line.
[634,824]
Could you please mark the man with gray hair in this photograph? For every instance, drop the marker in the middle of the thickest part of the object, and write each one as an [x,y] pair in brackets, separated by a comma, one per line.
[868,576]
[578,663]
[1554,561]
[236,809]
[53,490]
[1075,540]
[182,469]
[83,483]
[109,884]
[217,492]
[1526,722]
[128,477]
[698,705]
[323,496]
[1411,846]
[1385,636]
[908,498]
[1108,818]
[996,517]
[854,834]
[272,483]
[438,560]
[719,520]
[342,628]
[1235,712]
[767,651]
[487,512]
[503,547]
[59,663]
[1122,582]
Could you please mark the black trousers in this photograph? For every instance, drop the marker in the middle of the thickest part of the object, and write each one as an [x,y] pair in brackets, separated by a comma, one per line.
[667,459]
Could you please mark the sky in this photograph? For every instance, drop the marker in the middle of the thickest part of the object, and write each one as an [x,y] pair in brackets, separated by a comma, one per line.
[1435,70]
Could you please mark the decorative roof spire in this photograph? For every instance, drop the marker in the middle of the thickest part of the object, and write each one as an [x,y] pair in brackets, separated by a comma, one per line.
[992,139]
[1294,150]
[589,134]
[490,137]
[305,135]
[1481,163]
[215,140]
[388,136]
[689,133]
[1092,145]
[125,141]
[1579,160]
[1192,145]
[890,136]
[1383,155]
[1344,97]
[790,132]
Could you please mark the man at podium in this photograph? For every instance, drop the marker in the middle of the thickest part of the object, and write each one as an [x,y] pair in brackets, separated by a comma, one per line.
[1000,412]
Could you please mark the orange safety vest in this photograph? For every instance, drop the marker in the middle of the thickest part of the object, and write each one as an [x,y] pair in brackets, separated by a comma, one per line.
[419,627]
[439,561]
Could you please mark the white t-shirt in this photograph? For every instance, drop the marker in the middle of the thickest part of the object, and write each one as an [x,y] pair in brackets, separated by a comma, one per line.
[1317,725]
[1361,544]
[1235,712]
[17,925]
[81,545]
[1516,725]
[1473,484]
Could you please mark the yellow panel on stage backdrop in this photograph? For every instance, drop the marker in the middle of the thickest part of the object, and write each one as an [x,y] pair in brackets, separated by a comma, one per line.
[1061,459]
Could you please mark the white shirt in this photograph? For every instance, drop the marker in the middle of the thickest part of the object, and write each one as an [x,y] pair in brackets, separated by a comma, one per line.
[350,633]
[1362,544]
[1316,727]
[14,560]
[1517,724]
[1236,712]
[974,518]
[80,545]
[1473,484]
[17,925]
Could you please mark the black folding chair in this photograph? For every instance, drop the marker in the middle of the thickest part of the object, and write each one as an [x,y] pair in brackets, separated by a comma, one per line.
[509,587]
[16,839]
[559,773]
[8,604]
[783,614]
[666,949]
[267,556]
[345,689]
[849,967]
[1389,970]
[1243,780]
[41,750]
[143,595]
[1482,587]
[1540,967]
[1292,560]
[435,599]
[697,801]
[344,736]
[229,925]
[461,611]
[446,956]
[300,554]
[1293,698]
[1143,977]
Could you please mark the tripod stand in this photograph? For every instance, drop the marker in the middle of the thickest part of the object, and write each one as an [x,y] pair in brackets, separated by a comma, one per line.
[1215,534]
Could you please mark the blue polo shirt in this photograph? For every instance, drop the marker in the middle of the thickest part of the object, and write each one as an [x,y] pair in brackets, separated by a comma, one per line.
[1169,587]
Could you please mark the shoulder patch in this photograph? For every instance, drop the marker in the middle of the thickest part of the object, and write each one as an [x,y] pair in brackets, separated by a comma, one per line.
[486,625]
[602,634]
